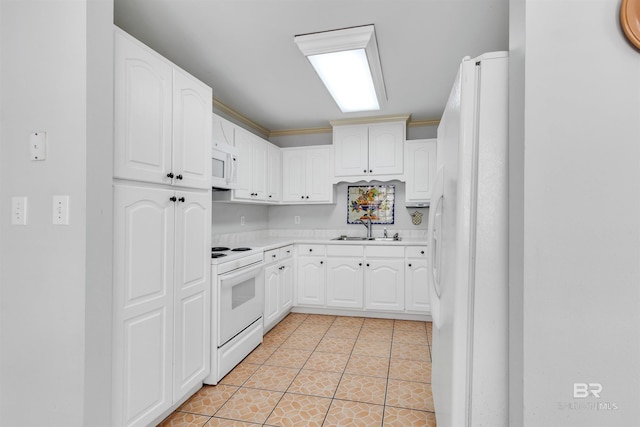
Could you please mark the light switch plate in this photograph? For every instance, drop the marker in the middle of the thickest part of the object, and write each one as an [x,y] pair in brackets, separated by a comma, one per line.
[61,210]
[38,146]
[19,210]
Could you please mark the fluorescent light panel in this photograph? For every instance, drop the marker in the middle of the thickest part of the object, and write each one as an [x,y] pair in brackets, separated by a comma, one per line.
[348,64]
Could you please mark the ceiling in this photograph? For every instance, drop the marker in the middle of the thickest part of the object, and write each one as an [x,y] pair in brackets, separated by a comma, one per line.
[244,50]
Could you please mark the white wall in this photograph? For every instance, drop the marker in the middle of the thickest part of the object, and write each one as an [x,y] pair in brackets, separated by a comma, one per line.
[51,277]
[580,263]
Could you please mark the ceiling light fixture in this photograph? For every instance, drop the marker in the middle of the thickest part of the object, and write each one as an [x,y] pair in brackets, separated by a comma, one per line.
[348,63]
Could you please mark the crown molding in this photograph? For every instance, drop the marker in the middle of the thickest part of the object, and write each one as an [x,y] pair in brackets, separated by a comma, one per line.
[369,120]
[309,131]
[304,131]
[241,118]
[420,123]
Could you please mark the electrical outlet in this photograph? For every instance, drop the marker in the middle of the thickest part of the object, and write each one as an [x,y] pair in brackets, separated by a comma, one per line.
[61,210]
[19,210]
[296,219]
[242,220]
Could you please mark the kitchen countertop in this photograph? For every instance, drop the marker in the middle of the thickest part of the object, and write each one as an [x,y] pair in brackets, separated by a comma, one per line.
[277,242]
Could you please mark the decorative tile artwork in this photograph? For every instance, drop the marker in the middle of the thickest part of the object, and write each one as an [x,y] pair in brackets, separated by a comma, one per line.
[374,201]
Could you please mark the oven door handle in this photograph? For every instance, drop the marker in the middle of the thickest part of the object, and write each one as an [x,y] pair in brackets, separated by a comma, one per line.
[229,280]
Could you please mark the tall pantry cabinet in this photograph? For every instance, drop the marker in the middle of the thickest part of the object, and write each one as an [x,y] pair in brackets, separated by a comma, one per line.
[162,234]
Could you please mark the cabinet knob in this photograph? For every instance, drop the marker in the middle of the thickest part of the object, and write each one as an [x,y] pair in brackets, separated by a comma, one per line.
[270,196]
[409,265]
[169,175]
[321,262]
[302,197]
[181,199]
[360,264]
[367,264]
[370,170]
[421,252]
[365,171]
[273,256]
[307,197]
[173,198]
[310,250]
[179,177]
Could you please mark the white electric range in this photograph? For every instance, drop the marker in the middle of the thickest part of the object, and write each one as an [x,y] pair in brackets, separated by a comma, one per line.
[237,278]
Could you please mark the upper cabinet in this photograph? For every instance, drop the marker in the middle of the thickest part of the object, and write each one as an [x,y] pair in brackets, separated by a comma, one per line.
[223,131]
[420,164]
[252,167]
[162,119]
[369,151]
[306,175]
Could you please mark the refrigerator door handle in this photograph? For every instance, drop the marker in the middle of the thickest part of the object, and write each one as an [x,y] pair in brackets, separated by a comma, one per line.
[433,238]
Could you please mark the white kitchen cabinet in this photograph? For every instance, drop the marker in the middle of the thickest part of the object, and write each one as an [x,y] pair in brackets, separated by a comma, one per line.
[416,285]
[345,276]
[278,277]
[307,175]
[223,131]
[384,278]
[420,164]
[162,119]
[274,174]
[369,151]
[311,275]
[252,167]
[161,299]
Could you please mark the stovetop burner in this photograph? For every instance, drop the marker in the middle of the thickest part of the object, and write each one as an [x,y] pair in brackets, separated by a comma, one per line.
[240,249]
[217,255]
[219,249]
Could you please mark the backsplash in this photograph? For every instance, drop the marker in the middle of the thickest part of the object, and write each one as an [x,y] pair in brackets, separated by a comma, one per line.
[315,221]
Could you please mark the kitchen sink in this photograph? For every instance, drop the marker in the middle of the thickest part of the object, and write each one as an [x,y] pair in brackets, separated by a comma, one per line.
[353,238]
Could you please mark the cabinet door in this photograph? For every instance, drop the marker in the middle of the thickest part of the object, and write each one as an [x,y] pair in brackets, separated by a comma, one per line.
[222,131]
[286,286]
[318,175]
[271,294]
[192,290]
[143,304]
[192,104]
[384,285]
[416,287]
[293,175]
[259,169]
[345,278]
[311,280]
[143,112]
[420,165]
[244,144]
[351,150]
[386,148]
[274,174]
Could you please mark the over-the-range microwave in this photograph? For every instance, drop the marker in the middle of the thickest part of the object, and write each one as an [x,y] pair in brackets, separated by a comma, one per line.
[224,167]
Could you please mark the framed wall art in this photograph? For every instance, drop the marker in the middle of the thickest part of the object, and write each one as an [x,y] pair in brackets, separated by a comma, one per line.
[371,201]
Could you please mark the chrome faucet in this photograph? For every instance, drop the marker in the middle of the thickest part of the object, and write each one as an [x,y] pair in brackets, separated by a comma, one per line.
[367,225]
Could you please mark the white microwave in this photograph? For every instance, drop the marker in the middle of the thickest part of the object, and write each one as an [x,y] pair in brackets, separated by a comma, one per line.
[224,167]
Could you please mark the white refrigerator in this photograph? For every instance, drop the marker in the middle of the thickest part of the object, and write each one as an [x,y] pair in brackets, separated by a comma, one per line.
[468,249]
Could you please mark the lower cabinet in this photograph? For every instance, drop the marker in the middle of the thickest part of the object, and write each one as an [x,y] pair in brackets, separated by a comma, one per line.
[345,280]
[311,275]
[278,285]
[384,278]
[161,299]
[416,280]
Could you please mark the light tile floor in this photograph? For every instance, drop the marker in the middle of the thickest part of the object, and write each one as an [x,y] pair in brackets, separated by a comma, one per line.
[314,370]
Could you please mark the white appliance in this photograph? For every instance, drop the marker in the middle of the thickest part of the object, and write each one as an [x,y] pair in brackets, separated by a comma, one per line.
[224,167]
[468,249]
[238,303]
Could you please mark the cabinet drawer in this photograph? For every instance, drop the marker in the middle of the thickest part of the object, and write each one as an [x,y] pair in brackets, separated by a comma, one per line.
[314,250]
[385,251]
[286,252]
[272,255]
[345,250]
[416,252]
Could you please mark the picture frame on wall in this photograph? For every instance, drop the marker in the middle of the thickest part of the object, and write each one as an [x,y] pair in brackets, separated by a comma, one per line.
[375,202]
